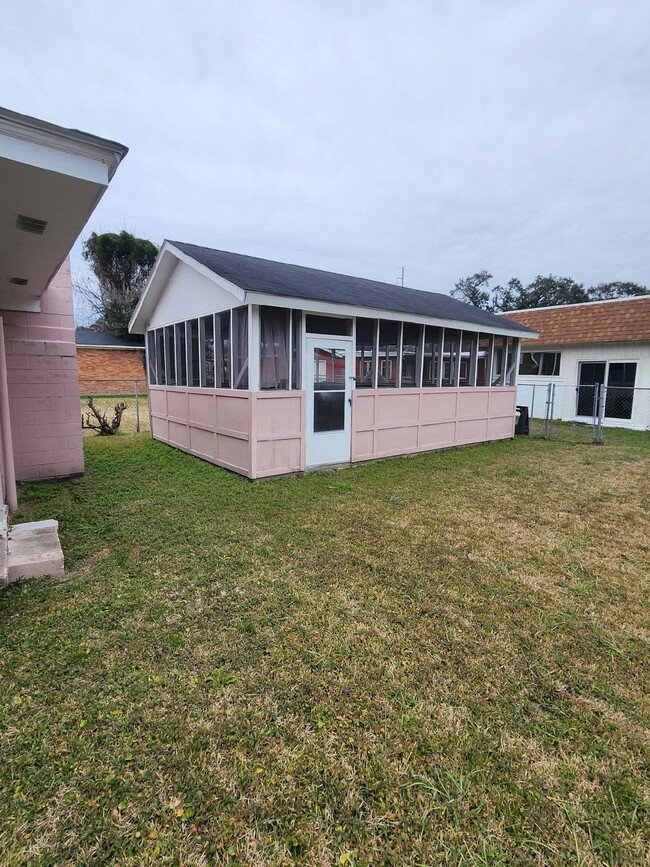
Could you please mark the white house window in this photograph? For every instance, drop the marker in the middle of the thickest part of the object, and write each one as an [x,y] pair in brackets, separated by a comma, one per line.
[540,364]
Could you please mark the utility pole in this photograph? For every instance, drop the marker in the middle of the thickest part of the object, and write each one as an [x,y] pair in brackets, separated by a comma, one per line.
[400,280]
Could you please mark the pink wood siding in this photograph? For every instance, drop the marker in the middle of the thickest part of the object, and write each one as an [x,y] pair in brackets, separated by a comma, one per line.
[278,433]
[44,385]
[256,434]
[388,422]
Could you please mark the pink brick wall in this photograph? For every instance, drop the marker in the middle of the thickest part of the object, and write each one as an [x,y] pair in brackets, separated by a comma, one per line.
[44,385]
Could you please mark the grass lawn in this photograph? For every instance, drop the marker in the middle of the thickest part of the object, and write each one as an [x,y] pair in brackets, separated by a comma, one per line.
[436,660]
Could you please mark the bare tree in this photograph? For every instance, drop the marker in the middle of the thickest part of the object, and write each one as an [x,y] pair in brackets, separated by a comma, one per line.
[100,423]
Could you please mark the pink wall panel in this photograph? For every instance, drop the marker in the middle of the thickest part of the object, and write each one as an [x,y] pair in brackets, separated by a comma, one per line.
[233,414]
[177,404]
[364,408]
[213,425]
[503,401]
[473,403]
[44,385]
[403,406]
[278,433]
[473,430]
[278,456]
[203,443]
[179,434]
[438,404]
[406,422]
[397,440]
[436,436]
[201,408]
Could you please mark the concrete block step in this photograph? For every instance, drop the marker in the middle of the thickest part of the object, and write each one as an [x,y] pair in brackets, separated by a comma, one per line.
[33,550]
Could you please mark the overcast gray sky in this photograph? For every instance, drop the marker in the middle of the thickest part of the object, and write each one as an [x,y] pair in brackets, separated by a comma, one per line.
[360,136]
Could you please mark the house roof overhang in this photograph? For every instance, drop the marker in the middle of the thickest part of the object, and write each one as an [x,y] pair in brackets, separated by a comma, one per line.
[51,180]
[170,254]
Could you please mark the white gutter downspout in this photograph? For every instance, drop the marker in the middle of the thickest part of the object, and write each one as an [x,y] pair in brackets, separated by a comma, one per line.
[5,426]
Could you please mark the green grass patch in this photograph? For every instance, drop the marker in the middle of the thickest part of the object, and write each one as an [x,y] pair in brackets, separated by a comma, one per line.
[433,660]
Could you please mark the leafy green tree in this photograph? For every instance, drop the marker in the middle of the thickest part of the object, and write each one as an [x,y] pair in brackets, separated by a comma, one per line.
[507,297]
[474,290]
[617,289]
[552,292]
[121,264]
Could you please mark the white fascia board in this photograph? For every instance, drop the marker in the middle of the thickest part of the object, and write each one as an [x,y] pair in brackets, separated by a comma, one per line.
[54,148]
[166,261]
[333,309]
[53,160]
[104,346]
[19,302]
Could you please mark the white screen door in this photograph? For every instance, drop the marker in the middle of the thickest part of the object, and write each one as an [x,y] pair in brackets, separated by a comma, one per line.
[328,381]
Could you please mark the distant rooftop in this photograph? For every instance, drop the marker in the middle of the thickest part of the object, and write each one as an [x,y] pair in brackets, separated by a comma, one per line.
[618,320]
[106,340]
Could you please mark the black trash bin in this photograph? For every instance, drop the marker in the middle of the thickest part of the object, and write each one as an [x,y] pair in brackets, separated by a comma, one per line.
[522,428]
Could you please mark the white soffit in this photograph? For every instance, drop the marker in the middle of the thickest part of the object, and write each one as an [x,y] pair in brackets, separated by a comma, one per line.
[51,180]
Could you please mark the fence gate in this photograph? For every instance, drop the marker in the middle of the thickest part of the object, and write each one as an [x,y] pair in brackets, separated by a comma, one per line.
[584,413]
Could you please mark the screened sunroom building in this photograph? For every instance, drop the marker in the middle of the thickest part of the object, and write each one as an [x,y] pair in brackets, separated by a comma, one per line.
[267,368]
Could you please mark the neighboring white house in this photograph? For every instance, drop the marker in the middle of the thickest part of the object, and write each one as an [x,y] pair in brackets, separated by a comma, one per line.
[590,352]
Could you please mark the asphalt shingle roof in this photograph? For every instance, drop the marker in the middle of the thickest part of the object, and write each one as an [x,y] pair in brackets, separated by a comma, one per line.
[296,281]
[106,339]
[609,321]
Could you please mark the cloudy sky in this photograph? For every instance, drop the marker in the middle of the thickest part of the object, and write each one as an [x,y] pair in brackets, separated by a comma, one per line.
[444,137]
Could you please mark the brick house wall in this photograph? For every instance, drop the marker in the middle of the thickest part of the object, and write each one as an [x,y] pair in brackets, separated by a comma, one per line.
[43,385]
[100,368]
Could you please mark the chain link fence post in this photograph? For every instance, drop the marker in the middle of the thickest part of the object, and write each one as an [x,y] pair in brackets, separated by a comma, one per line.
[598,434]
[549,412]
[137,406]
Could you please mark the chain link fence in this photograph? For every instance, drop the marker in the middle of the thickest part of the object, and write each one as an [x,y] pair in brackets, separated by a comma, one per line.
[582,413]
[108,392]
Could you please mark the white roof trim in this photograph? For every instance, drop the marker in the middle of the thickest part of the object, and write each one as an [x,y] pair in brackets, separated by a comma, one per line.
[337,309]
[507,313]
[166,261]
[69,141]
[105,346]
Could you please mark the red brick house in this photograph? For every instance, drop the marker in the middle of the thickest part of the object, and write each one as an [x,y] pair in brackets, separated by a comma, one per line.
[109,364]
